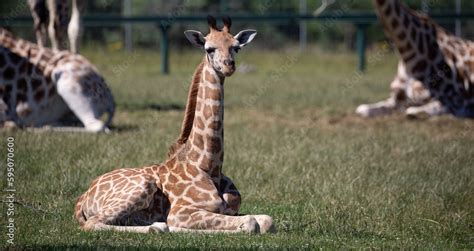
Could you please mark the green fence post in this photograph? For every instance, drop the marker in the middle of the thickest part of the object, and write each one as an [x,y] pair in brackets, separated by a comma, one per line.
[361,45]
[164,48]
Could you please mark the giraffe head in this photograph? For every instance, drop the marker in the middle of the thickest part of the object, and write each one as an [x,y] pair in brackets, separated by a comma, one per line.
[220,45]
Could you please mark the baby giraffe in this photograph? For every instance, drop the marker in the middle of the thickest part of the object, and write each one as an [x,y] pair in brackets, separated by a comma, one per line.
[188,192]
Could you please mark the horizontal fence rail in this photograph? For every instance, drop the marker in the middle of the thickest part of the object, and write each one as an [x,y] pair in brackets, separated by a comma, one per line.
[361,19]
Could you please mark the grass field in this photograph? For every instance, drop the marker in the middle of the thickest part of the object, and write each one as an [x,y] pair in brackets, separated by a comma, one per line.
[293,146]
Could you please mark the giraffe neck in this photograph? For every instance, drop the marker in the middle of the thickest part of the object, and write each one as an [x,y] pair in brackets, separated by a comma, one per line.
[206,138]
[414,35]
[188,120]
[41,58]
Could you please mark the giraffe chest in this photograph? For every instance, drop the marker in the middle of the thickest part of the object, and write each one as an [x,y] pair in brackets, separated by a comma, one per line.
[192,186]
[450,77]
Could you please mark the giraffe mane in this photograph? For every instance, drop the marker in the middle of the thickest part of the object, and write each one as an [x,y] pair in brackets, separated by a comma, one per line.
[189,112]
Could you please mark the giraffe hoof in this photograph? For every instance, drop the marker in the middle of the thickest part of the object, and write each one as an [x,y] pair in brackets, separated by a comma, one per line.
[159,227]
[265,223]
[249,225]
[10,125]
[364,111]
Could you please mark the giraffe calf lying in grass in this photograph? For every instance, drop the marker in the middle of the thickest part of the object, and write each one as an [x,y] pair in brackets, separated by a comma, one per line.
[188,192]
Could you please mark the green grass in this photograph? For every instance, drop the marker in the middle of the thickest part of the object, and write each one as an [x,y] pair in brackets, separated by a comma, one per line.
[293,146]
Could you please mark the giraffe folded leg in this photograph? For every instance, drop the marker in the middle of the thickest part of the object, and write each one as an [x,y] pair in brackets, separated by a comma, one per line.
[206,222]
[397,96]
[230,195]
[265,223]
[187,219]
[80,104]
[433,108]
[3,111]
[396,101]
[377,109]
[95,224]
[5,121]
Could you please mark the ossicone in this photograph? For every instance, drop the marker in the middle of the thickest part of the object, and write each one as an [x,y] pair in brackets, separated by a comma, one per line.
[227,23]
[212,22]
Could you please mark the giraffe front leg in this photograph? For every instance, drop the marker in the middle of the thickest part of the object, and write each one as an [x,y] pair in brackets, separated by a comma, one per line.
[432,108]
[5,121]
[377,109]
[230,195]
[80,102]
[190,219]
[265,223]
[396,100]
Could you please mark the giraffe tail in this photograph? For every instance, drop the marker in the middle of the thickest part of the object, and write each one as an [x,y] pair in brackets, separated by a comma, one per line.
[110,112]
[78,212]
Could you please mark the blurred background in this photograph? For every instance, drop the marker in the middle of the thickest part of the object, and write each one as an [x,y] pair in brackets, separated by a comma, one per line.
[336,29]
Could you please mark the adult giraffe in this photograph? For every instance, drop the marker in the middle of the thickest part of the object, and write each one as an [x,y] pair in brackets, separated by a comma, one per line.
[39,87]
[188,192]
[436,69]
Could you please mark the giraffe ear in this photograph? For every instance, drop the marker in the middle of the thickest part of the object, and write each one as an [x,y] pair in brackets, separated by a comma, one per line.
[246,36]
[196,38]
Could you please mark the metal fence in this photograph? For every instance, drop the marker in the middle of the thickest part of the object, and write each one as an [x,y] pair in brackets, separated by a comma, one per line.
[361,20]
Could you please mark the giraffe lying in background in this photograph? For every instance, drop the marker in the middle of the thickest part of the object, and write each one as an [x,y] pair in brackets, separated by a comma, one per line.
[52,16]
[188,192]
[436,70]
[40,87]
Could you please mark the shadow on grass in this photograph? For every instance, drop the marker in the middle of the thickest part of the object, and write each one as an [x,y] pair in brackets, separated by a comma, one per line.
[123,128]
[78,247]
[155,107]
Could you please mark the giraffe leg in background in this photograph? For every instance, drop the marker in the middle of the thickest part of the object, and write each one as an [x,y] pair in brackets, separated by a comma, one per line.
[396,101]
[75,25]
[5,120]
[3,108]
[53,33]
[80,104]
[40,15]
[57,23]
[433,108]
[397,97]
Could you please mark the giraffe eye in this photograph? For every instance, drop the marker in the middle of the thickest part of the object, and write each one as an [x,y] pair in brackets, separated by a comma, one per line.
[210,50]
[236,49]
